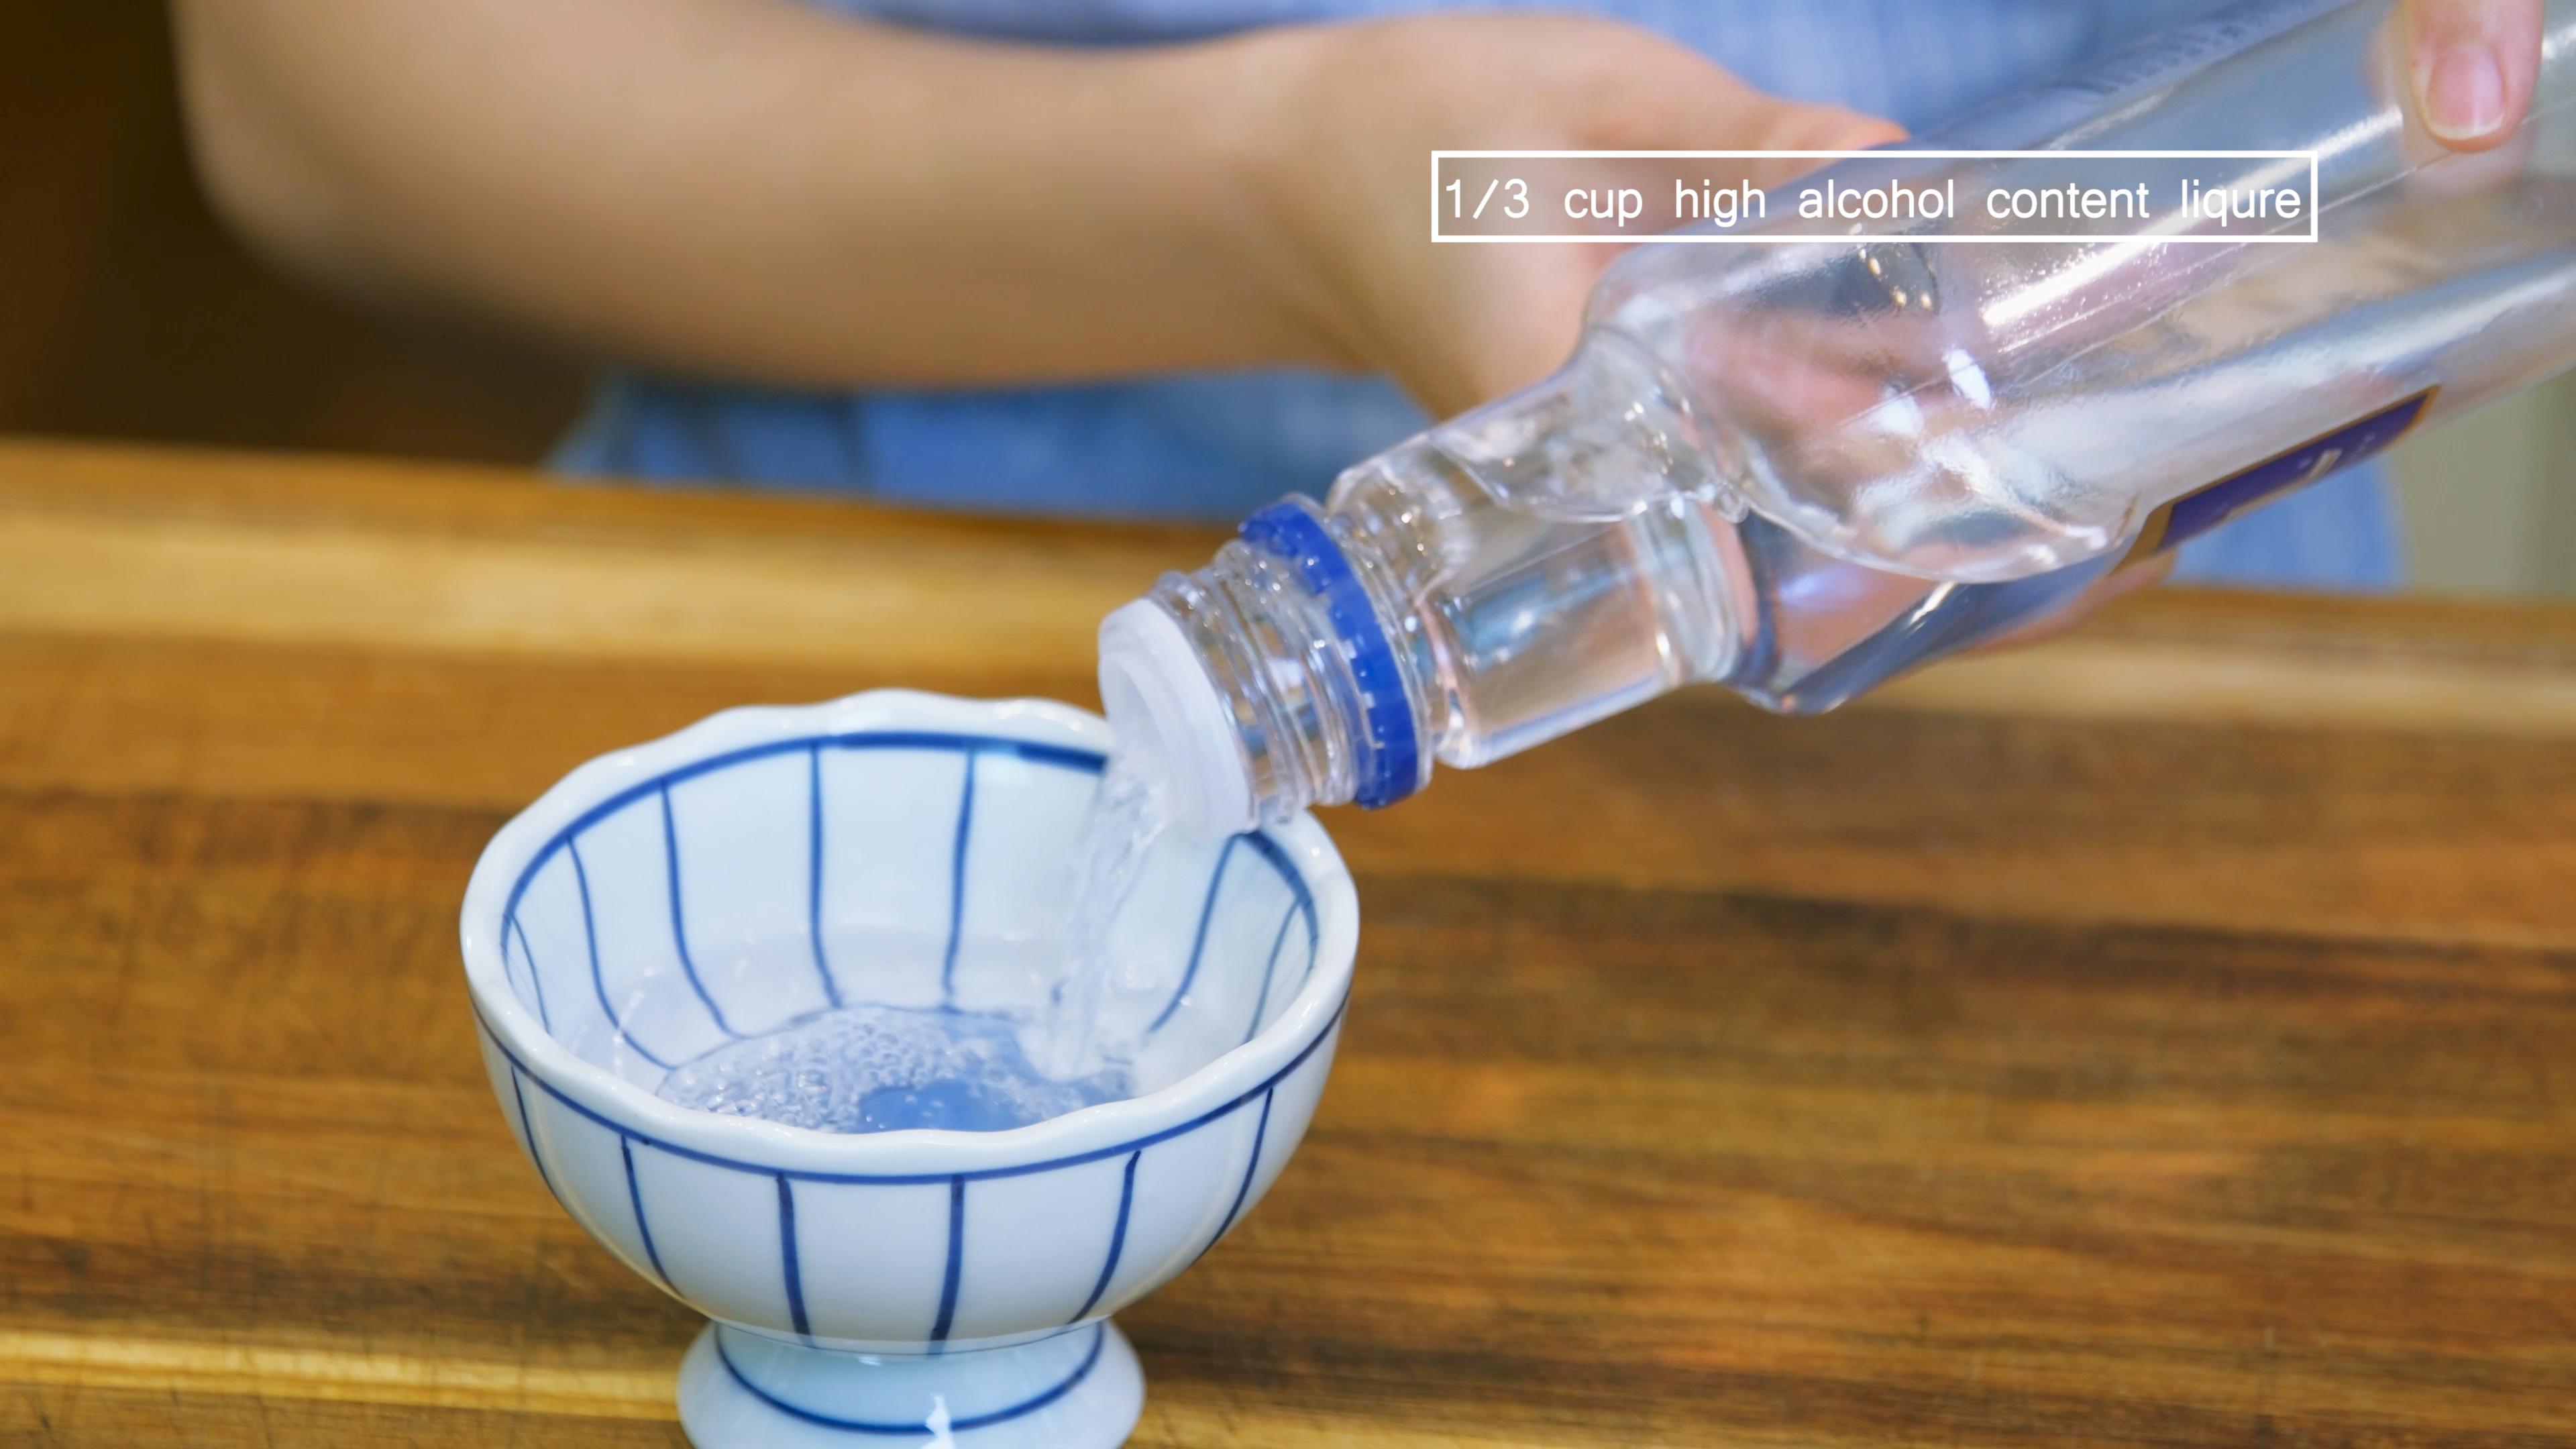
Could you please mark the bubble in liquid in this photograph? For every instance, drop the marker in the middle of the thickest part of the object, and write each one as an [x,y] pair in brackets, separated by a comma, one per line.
[885,1069]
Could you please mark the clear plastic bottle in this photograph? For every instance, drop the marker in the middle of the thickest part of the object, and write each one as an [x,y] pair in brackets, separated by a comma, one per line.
[1800,468]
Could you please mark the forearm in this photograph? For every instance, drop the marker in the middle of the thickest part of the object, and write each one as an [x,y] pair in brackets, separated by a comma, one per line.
[751,189]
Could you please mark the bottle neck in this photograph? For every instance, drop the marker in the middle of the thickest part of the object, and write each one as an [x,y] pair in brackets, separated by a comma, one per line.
[1301,668]
[1307,652]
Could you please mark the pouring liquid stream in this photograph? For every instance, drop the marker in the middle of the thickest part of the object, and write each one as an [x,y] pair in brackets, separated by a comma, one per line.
[877,1068]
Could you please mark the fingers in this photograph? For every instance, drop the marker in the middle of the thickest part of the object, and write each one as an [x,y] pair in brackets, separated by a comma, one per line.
[1460,325]
[2472,65]
[1696,105]
[1797,126]
[1614,88]
[1533,319]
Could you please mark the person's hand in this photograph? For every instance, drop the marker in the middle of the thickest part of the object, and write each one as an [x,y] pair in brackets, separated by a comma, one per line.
[1363,106]
[2472,65]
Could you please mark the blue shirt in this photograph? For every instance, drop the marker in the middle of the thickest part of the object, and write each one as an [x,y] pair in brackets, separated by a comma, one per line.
[1217,446]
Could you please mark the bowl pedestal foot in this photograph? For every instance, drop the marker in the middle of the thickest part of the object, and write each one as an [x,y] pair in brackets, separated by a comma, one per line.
[1077,1390]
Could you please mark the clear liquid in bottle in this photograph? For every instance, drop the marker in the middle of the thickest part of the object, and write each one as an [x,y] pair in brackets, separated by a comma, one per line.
[1800,468]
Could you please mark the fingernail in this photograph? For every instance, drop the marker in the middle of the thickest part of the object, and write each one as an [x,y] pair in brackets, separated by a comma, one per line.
[2464,97]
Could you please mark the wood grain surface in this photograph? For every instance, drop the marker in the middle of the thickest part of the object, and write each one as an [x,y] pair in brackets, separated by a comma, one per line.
[2164,1036]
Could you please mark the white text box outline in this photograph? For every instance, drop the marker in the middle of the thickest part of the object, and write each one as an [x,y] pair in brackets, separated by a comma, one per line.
[1743,238]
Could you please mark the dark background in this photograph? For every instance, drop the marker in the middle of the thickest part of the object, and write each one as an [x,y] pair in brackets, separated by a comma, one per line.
[127,311]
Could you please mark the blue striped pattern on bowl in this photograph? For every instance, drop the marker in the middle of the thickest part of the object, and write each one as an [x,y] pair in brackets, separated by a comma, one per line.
[729,893]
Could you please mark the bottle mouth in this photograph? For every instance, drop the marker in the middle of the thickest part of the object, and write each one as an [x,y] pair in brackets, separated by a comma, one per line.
[1166,713]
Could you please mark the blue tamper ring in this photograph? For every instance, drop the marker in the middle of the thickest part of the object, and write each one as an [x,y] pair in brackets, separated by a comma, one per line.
[1392,767]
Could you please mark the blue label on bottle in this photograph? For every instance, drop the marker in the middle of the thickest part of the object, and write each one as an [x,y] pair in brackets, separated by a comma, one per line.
[2197,513]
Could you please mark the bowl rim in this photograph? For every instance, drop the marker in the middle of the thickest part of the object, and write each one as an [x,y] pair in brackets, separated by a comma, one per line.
[918,1155]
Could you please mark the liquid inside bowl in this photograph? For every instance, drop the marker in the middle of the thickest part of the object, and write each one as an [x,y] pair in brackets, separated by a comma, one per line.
[732,902]
[886,1069]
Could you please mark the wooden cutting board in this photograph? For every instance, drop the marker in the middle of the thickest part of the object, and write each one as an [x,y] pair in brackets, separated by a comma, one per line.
[2166,1035]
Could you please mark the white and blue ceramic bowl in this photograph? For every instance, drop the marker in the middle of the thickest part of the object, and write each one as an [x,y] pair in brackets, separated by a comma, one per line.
[666,900]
